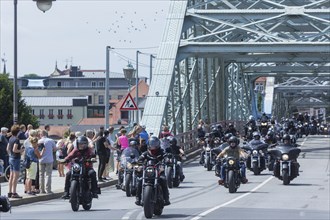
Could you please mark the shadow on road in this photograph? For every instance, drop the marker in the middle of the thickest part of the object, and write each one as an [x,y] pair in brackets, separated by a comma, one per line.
[172,216]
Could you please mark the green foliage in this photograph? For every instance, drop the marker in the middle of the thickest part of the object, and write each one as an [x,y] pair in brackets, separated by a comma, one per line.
[31,75]
[6,106]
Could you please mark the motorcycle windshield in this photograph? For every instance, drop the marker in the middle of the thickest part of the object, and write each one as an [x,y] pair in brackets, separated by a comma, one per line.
[293,152]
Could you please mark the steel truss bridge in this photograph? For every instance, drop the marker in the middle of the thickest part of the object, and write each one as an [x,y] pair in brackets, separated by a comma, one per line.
[212,51]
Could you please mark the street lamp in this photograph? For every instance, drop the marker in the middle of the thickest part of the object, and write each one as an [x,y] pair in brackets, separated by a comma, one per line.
[128,73]
[43,5]
[107,76]
[137,86]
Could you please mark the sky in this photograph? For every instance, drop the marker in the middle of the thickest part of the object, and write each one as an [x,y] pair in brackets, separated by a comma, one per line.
[76,32]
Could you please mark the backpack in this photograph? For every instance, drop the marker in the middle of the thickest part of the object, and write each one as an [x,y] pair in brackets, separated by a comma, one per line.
[64,151]
[27,162]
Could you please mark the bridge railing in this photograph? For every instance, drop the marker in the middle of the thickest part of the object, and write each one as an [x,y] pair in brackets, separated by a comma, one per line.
[187,140]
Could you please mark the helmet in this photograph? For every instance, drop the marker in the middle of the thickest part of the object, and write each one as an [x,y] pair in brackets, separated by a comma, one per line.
[230,125]
[251,118]
[286,137]
[227,136]
[256,135]
[233,139]
[133,143]
[154,145]
[219,127]
[270,133]
[173,141]
[82,143]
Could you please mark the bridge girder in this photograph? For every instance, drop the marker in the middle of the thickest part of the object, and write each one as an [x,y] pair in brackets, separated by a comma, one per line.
[211,50]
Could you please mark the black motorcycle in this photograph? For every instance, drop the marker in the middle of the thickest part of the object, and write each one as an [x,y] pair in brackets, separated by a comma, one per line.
[233,174]
[152,193]
[172,170]
[130,176]
[286,167]
[258,158]
[80,188]
[209,157]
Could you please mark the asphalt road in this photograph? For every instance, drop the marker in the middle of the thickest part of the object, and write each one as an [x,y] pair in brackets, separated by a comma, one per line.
[199,196]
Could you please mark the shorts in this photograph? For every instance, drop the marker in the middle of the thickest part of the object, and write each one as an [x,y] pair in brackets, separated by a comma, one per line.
[31,173]
[15,164]
[118,155]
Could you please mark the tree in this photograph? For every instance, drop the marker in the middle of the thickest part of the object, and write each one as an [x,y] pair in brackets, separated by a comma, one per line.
[6,105]
[31,76]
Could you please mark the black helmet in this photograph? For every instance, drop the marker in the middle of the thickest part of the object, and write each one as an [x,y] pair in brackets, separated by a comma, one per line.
[256,135]
[173,141]
[233,139]
[219,127]
[154,145]
[82,143]
[133,143]
[286,137]
[227,136]
[270,133]
[230,125]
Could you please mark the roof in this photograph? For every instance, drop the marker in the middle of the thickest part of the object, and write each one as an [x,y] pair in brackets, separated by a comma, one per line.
[38,101]
[92,74]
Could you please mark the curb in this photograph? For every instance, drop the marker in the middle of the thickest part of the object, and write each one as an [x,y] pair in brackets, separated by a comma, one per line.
[58,193]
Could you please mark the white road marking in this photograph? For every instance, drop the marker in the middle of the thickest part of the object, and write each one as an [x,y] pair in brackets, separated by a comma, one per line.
[128,214]
[231,201]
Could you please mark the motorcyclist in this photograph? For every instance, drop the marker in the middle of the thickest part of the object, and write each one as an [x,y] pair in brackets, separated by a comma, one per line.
[209,141]
[218,150]
[129,154]
[256,138]
[231,129]
[233,150]
[154,152]
[270,138]
[81,151]
[178,153]
[252,124]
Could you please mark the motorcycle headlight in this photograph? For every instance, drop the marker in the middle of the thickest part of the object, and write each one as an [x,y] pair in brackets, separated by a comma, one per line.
[150,172]
[255,152]
[285,157]
[76,167]
[231,162]
[129,165]
[207,148]
[248,152]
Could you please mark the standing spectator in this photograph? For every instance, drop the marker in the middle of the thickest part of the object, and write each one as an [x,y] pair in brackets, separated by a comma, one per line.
[14,150]
[112,143]
[165,132]
[29,128]
[61,153]
[21,134]
[102,145]
[31,173]
[47,129]
[109,148]
[3,147]
[46,162]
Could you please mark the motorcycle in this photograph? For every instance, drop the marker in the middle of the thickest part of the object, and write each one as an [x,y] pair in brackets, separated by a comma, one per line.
[152,193]
[233,174]
[209,157]
[80,188]
[263,128]
[286,167]
[130,175]
[172,172]
[257,160]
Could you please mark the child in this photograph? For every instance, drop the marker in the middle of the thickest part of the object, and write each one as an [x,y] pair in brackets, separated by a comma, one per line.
[60,154]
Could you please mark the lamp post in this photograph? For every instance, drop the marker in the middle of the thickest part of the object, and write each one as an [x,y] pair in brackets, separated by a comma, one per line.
[137,86]
[128,73]
[43,5]
[107,75]
[151,57]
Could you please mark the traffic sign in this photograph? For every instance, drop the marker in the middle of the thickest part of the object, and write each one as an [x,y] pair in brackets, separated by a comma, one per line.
[129,103]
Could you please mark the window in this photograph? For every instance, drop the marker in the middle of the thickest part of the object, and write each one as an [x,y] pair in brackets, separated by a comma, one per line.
[66,84]
[93,84]
[120,97]
[41,112]
[69,111]
[51,111]
[101,99]
[89,99]
[101,84]
[69,115]
[32,112]
[59,113]
[77,84]
[59,84]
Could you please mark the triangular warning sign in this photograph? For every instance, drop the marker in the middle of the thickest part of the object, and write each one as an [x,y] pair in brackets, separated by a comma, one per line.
[129,103]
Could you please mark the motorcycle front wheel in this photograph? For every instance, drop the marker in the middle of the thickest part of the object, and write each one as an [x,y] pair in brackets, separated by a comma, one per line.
[148,201]
[231,181]
[87,206]
[286,178]
[128,185]
[74,195]
[169,177]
